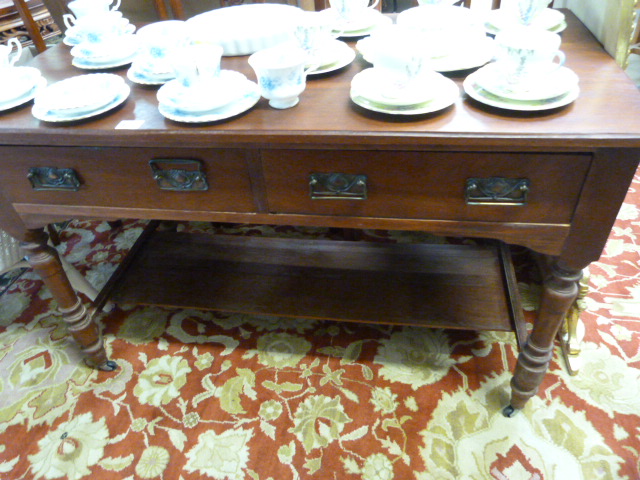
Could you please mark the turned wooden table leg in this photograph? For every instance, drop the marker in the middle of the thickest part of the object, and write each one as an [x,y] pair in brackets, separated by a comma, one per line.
[45,262]
[560,290]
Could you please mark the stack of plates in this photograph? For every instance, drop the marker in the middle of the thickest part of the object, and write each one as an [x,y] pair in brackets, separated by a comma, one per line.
[548,19]
[367,23]
[552,90]
[79,97]
[78,33]
[144,73]
[94,56]
[229,95]
[432,92]
[18,85]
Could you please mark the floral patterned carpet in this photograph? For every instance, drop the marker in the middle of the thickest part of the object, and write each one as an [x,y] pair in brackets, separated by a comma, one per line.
[231,397]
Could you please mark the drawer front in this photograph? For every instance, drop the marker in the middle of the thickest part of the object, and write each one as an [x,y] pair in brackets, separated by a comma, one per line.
[422,185]
[200,180]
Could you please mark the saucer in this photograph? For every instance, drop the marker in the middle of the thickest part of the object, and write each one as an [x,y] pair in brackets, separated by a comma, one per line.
[79,95]
[445,93]
[242,104]
[101,65]
[341,56]
[122,93]
[370,21]
[119,47]
[136,75]
[552,85]
[35,89]
[17,81]
[478,93]
[227,89]
[549,19]
[74,36]
[369,84]
[472,56]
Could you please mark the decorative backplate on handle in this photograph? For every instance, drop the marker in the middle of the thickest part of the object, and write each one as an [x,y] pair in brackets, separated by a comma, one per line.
[52,178]
[497,191]
[182,175]
[337,186]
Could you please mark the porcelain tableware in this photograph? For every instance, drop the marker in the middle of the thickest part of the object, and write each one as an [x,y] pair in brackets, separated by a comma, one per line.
[528,10]
[28,95]
[17,81]
[527,54]
[372,85]
[158,41]
[8,57]
[96,21]
[335,54]
[505,18]
[79,95]
[475,91]
[350,11]
[281,73]
[444,29]
[313,31]
[197,65]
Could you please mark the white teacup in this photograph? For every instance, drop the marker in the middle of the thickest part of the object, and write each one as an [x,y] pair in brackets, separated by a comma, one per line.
[82,8]
[281,74]
[530,9]
[197,66]
[8,58]
[527,54]
[313,31]
[351,11]
[158,41]
[109,20]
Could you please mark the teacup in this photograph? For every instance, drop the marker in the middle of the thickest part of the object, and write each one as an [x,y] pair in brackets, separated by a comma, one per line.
[197,66]
[97,21]
[530,9]
[7,58]
[527,54]
[313,31]
[82,8]
[158,41]
[351,11]
[281,74]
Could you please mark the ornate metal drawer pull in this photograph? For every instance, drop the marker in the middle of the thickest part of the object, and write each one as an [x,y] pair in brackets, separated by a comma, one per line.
[337,186]
[188,179]
[497,191]
[52,178]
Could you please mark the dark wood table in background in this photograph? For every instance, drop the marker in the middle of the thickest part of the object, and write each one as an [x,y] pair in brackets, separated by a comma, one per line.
[578,161]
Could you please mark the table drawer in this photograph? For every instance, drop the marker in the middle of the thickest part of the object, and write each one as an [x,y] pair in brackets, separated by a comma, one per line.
[422,185]
[198,180]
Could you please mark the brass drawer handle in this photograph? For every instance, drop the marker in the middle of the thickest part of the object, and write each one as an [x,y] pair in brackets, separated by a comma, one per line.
[52,178]
[188,178]
[497,191]
[337,186]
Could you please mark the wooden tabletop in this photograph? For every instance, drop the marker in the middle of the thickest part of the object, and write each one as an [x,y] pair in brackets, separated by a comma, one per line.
[604,115]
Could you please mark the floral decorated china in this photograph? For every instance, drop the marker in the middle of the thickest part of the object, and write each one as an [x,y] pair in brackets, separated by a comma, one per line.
[249,97]
[475,91]
[28,95]
[17,81]
[553,85]
[206,96]
[333,56]
[372,84]
[80,94]
[500,19]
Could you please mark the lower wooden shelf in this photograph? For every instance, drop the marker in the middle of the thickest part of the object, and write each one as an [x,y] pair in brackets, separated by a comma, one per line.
[449,286]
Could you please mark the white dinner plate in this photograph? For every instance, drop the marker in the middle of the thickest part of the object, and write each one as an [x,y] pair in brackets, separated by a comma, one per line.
[549,19]
[446,94]
[342,55]
[228,88]
[550,85]
[476,92]
[27,96]
[48,116]
[247,101]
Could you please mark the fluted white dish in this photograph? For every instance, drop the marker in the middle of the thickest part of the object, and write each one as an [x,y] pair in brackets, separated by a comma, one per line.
[245,29]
